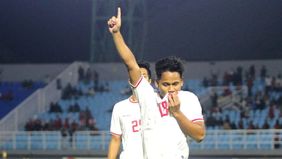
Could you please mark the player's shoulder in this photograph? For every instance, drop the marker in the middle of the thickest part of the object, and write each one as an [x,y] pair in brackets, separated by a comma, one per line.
[186,94]
[122,102]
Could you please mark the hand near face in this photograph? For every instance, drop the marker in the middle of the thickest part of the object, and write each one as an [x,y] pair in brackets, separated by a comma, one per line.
[173,103]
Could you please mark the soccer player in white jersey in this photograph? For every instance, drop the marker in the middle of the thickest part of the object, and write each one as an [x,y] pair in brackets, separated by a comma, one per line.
[169,116]
[126,124]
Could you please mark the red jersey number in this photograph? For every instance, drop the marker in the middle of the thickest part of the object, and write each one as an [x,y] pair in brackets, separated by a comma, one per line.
[163,108]
[136,125]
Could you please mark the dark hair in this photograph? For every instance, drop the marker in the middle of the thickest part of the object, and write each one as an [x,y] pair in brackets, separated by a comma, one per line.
[145,65]
[171,64]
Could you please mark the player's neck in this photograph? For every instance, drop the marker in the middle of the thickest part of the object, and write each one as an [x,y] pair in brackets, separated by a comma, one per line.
[133,99]
[161,95]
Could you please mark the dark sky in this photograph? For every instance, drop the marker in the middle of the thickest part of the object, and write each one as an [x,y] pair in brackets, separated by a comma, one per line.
[59,30]
[45,30]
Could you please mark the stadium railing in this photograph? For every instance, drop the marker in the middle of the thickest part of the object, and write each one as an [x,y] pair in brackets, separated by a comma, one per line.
[90,140]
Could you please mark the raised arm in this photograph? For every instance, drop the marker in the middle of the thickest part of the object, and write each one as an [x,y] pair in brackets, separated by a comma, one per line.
[125,53]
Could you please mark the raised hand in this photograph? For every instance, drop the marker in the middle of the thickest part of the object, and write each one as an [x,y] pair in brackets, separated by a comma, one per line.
[114,23]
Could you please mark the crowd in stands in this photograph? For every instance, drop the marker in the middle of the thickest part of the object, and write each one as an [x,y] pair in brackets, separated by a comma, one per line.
[254,102]
[66,123]
[7,95]
[7,91]
[258,108]
[87,77]
[12,93]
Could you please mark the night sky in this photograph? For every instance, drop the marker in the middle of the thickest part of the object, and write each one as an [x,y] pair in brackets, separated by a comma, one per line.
[35,31]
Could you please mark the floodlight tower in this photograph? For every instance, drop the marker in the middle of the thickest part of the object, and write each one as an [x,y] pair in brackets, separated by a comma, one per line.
[133,28]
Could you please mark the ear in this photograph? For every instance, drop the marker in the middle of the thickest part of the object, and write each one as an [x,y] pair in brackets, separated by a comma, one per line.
[150,81]
[182,83]
[156,84]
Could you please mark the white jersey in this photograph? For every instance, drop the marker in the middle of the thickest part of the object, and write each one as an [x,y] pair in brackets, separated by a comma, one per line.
[162,136]
[126,123]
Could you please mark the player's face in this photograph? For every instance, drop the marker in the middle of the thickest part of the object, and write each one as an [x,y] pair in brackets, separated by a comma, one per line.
[145,74]
[170,82]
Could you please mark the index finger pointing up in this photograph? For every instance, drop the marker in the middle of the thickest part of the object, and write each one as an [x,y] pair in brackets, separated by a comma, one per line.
[119,13]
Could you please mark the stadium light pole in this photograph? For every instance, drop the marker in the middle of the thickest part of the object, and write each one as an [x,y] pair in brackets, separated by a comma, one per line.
[134,28]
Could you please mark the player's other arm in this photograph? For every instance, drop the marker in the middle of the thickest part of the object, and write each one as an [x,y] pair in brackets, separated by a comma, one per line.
[125,53]
[195,129]
[114,147]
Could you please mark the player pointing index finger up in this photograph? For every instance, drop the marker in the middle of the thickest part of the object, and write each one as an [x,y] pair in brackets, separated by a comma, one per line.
[168,116]
[115,22]
[125,53]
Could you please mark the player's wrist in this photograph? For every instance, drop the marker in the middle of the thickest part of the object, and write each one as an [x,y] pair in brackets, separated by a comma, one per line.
[115,30]
[176,114]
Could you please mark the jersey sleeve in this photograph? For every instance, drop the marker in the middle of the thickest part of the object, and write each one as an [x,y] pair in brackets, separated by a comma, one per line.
[143,90]
[192,108]
[115,121]
[146,99]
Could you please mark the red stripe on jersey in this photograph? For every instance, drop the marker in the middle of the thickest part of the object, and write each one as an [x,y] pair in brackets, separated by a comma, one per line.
[115,134]
[198,119]
[138,82]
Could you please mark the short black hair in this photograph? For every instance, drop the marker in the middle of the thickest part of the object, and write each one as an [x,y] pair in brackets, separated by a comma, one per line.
[145,65]
[171,64]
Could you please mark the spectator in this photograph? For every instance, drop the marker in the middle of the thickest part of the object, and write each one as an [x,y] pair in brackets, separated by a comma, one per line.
[263,72]
[80,73]
[205,82]
[226,124]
